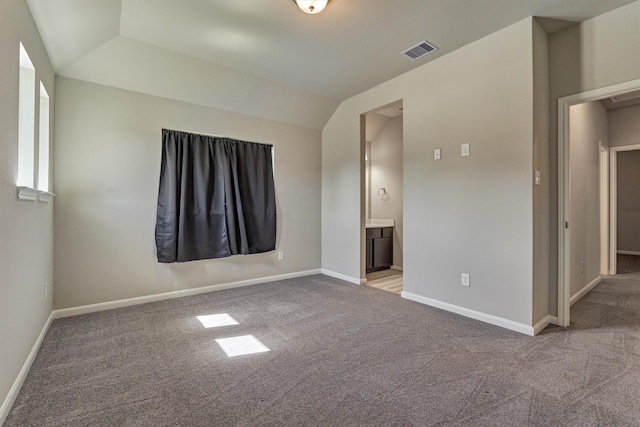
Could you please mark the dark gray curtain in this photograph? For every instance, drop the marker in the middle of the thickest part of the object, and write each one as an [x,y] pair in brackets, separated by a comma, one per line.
[216,198]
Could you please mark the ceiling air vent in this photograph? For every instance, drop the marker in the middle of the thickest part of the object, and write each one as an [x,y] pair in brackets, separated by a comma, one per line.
[421,49]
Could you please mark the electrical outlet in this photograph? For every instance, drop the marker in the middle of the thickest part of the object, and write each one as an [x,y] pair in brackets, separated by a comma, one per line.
[465,280]
[46,290]
[464,150]
[436,154]
[280,255]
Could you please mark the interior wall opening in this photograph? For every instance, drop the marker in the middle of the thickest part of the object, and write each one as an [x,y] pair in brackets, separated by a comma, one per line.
[382,141]
[594,128]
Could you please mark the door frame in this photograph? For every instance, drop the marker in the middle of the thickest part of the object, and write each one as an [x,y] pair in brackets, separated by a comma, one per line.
[564,230]
[605,202]
[365,186]
[613,204]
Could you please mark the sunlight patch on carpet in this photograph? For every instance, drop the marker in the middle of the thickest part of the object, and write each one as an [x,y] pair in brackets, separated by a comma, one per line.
[217,320]
[242,345]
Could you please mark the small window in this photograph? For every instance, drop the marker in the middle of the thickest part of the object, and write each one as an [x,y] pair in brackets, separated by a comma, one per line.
[26,120]
[43,141]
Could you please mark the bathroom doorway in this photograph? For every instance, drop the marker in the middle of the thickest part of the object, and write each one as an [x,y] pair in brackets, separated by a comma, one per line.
[382,139]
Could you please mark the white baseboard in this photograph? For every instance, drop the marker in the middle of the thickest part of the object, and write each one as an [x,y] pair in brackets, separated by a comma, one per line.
[582,292]
[343,277]
[17,384]
[483,317]
[396,267]
[628,253]
[91,308]
[548,320]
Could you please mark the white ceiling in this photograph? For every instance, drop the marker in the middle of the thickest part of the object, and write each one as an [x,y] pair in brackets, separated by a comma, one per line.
[266,57]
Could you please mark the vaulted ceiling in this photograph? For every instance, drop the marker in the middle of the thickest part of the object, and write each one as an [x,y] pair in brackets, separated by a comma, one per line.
[266,58]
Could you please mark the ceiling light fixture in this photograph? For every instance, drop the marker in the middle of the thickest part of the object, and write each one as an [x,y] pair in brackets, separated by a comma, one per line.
[311,6]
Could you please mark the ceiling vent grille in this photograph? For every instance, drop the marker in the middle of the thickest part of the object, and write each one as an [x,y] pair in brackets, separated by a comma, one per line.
[421,49]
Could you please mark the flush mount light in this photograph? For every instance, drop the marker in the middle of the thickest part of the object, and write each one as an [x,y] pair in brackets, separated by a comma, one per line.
[311,6]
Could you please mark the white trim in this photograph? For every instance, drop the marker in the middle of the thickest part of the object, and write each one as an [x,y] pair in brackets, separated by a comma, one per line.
[604,208]
[483,317]
[563,185]
[45,196]
[91,308]
[621,252]
[396,267]
[548,320]
[28,193]
[31,194]
[17,384]
[563,213]
[342,277]
[582,292]
[630,147]
[613,211]
[613,204]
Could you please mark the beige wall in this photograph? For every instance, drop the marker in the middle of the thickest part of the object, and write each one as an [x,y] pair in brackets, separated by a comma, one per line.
[588,127]
[597,53]
[624,126]
[107,170]
[26,228]
[541,225]
[461,214]
[386,171]
[629,201]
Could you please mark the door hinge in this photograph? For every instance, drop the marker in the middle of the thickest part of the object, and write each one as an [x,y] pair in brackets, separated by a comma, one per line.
[566,224]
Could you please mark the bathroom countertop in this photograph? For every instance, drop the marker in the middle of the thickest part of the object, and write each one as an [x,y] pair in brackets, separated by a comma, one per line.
[380,223]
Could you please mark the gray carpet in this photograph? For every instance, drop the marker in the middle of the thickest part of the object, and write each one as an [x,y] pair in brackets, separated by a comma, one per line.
[341,355]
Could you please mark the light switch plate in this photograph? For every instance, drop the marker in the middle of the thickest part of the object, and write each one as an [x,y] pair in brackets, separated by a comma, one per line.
[436,154]
[537,178]
[464,150]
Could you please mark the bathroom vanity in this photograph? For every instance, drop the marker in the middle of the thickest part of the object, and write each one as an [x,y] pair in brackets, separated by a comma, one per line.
[379,245]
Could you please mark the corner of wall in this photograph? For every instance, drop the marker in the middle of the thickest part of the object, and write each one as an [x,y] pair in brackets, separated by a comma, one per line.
[542,287]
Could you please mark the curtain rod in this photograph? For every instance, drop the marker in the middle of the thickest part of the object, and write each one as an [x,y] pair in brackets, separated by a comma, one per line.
[216,136]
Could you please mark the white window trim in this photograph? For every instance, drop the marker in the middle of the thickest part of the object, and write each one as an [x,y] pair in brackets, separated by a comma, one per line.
[32,195]
[30,192]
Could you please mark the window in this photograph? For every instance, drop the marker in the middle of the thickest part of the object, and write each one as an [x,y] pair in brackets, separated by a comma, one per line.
[216,198]
[28,187]
[26,120]
[43,141]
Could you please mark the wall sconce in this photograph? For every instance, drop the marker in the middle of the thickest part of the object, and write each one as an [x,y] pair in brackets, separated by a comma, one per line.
[382,193]
[311,6]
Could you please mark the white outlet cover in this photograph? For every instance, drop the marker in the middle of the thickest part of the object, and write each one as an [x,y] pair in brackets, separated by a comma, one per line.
[465,280]
[436,154]
[537,179]
[464,150]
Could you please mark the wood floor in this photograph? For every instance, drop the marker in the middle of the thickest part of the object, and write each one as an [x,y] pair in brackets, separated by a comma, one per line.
[387,280]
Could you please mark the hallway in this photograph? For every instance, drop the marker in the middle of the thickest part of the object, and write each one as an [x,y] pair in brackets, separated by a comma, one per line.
[613,303]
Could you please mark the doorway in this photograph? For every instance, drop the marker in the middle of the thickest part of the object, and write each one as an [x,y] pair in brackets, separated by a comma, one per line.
[565,265]
[617,212]
[382,198]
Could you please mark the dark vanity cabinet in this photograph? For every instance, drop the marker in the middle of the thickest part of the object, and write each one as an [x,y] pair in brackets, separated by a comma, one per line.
[379,248]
